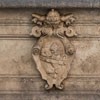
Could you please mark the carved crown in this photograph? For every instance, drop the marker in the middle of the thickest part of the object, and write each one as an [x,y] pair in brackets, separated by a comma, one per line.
[53,16]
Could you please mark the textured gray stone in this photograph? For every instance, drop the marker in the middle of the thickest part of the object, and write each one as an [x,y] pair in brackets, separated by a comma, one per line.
[50,3]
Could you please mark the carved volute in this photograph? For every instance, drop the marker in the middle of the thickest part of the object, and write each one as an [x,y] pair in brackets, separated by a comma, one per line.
[53,52]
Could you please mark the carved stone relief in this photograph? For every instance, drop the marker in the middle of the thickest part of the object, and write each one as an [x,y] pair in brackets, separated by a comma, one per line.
[53,52]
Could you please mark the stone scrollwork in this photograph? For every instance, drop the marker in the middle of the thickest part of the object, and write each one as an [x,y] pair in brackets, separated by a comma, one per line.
[53,52]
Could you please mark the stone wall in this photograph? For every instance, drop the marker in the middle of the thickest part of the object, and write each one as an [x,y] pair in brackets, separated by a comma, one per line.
[19,78]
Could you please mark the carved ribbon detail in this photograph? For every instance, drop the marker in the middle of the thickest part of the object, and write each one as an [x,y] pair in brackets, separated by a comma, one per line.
[53,52]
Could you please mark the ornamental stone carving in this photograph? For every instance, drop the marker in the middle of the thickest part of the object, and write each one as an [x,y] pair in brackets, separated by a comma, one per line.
[53,52]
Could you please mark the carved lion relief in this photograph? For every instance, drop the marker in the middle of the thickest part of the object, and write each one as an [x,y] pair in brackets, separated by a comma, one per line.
[53,52]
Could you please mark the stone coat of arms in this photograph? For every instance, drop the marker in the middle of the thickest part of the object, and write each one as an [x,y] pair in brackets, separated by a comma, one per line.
[53,52]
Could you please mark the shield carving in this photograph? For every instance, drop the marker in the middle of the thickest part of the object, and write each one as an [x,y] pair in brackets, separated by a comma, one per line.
[53,52]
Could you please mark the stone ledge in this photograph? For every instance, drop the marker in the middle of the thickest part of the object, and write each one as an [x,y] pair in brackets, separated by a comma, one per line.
[50,3]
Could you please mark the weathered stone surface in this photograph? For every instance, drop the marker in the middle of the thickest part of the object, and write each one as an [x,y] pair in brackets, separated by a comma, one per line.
[48,96]
[18,71]
[17,55]
[19,78]
[50,3]
[16,23]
